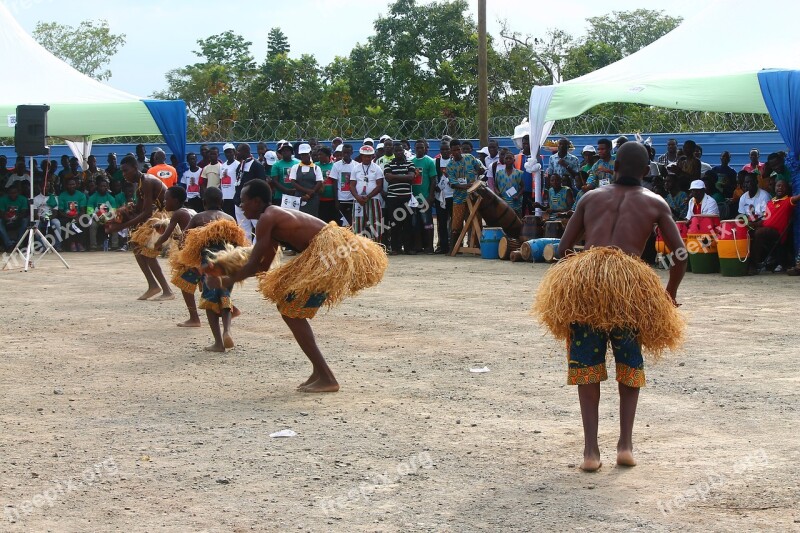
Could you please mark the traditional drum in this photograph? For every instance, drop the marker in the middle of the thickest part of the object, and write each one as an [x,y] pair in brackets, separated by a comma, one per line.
[506,246]
[550,253]
[733,248]
[490,239]
[553,229]
[495,211]
[701,244]
[537,248]
[530,228]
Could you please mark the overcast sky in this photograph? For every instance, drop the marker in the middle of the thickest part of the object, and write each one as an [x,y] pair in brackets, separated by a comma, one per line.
[161,35]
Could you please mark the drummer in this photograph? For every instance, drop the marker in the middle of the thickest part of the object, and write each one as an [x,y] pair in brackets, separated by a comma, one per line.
[700,203]
[461,172]
[559,199]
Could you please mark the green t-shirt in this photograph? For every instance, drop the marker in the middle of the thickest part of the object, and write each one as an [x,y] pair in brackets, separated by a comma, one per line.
[426,172]
[103,203]
[14,210]
[116,175]
[280,171]
[72,205]
[329,187]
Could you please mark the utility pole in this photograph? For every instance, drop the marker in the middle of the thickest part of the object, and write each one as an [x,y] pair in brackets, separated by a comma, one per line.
[483,76]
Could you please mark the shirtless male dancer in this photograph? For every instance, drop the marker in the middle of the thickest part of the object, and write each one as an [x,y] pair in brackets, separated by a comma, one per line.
[619,215]
[150,193]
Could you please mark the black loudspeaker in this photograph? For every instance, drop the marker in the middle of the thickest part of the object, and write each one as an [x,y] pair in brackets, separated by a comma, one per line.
[30,132]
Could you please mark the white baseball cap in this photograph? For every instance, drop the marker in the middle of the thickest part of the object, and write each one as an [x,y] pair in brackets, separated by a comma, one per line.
[304,148]
[369,140]
[588,148]
[338,148]
[270,157]
[228,146]
[384,137]
[484,150]
[367,150]
[284,144]
[380,145]
[697,185]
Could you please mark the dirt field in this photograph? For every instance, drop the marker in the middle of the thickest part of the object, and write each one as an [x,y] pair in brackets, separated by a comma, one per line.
[114,419]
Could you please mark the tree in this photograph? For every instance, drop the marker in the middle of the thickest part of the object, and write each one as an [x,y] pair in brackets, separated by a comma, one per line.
[87,47]
[630,31]
[277,42]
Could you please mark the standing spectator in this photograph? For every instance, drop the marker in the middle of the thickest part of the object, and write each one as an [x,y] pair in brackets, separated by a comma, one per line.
[335,143]
[508,178]
[249,169]
[444,206]
[400,174]
[43,206]
[677,200]
[726,175]
[671,156]
[227,180]
[65,174]
[388,155]
[342,171]
[700,203]
[562,162]
[92,174]
[754,166]
[462,171]
[279,174]
[776,163]
[212,171]
[261,150]
[71,205]
[307,181]
[160,169]
[491,160]
[141,158]
[270,158]
[423,188]
[522,163]
[20,174]
[14,214]
[773,230]
[366,185]
[589,154]
[328,198]
[602,172]
[191,182]
[753,203]
[204,156]
[101,204]
[113,172]
[688,167]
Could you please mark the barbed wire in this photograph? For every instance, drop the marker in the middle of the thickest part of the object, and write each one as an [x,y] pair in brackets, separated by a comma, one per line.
[630,119]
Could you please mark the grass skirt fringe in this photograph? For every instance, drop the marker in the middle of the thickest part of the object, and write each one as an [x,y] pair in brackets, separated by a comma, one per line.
[146,234]
[197,239]
[337,263]
[606,289]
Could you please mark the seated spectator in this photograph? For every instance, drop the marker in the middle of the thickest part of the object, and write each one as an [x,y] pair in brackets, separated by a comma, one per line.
[44,206]
[700,203]
[71,205]
[160,169]
[740,186]
[602,172]
[771,234]
[753,203]
[90,188]
[507,178]
[19,175]
[100,205]
[671,156]
[726,175]
[559,199]
[677,199]
[589,158]
[14,214]
[113,172]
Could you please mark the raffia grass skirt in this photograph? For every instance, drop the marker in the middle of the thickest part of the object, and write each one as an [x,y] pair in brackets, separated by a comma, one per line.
[606,288]
[337,263]
[198,239]
[145,235]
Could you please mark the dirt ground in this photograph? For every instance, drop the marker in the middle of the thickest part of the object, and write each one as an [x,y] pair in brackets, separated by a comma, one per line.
[115,419]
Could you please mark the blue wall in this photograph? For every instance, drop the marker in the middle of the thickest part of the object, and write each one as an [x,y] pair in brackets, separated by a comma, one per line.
[738,144]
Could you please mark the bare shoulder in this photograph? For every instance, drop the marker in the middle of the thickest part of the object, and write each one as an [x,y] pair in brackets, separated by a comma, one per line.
[654,198]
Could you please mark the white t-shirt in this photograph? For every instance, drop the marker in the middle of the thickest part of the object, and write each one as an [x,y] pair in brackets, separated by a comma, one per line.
[757,205]
[227,179]
[211,174]
[366,177]
[191,180]
[489,161]
[342,172]
[40,206]
[444,183]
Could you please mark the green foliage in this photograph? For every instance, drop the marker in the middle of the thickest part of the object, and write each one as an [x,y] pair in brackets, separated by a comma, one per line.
[630,31]
[88,47]
[277,42]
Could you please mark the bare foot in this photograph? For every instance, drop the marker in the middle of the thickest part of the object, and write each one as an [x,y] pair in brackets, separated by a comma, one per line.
[235,311]
[149,294]
[165,297]
[190,324]
[591,465]
[227,340]
[309,381]
[625,458]
[321,386]
[214,348]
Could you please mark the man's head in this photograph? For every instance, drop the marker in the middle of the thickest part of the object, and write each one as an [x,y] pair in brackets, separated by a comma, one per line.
[286,152]
[621,140]
[775,161]
[211,155]
[336,142]
[324,153]
[101,185]
[698,151]
[420,148]
[689,148]
[555,181]
[697,190]
[466,147]
[455,150]
[112,159]
[526,145]
[243,152]
[754,155]
[563,146]
[725,158]
[191,159]
[204,149]
[751,183]
[632,161]
[175,198]
[256,197]
[304,152]
[379,151]
[493,148]
[670,183]
[508,160]
[229,151]
[159,157]
[71,185]
[140,151]
[588,153]
[261,149]
[347,152]
[92,160]
[781,188]
[116,187]
[388,146]
[444,150]
[366,152]
[13,191]
[73,164]
[212,198]
[19,166]
[65,161]
[399,153]
[604,149]
[672,147]
[130,169]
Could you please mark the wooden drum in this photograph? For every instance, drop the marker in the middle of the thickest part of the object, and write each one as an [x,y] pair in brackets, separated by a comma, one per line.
[506,246]
[495,211]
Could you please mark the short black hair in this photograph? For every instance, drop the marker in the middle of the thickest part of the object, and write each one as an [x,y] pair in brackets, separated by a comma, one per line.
[455,142]
[605,142]
[347,145]
[258,189]
[212,199]
[179,193]
[129,160]
[325,150]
